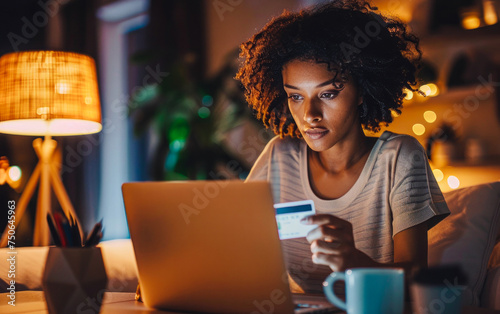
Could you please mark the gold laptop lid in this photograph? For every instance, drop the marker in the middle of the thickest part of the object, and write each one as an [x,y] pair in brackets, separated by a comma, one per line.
[207,246]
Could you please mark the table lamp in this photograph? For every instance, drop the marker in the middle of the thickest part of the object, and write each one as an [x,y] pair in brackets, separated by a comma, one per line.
[47,93]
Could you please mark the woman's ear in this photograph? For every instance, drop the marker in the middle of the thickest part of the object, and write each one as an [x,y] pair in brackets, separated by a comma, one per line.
[360,100]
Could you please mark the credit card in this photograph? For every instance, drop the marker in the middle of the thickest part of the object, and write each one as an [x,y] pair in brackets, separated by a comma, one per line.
[288,216]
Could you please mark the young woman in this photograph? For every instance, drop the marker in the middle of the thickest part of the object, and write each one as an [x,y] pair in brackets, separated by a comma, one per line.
[318,78]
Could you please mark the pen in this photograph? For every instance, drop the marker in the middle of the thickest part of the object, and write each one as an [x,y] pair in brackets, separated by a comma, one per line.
[94,236]
[67,232]
[75,232]
[58,219]
[53,230]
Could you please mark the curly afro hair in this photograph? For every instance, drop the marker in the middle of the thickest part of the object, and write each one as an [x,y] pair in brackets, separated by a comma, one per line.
[376,52]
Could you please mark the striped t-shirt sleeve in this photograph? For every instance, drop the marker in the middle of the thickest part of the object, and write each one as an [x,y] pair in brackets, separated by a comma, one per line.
[260,169]
[415,196]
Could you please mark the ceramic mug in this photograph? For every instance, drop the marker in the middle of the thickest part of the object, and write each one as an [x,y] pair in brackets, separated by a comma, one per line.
[368,290]
[437,299]
[439,289]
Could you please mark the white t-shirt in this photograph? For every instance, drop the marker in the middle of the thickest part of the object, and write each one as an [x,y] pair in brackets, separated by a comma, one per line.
[395,191]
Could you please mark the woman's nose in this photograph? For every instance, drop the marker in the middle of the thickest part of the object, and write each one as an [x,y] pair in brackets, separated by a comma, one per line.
[312,112]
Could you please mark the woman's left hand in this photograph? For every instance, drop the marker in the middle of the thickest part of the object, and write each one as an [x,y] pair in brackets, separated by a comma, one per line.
[332,243]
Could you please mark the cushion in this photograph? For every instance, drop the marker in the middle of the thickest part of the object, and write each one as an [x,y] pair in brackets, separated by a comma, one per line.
[468,235]
[494,261]
[490,296]
[118,256]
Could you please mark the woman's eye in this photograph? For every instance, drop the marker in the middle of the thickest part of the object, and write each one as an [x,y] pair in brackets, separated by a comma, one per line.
[329,95]
[295,97]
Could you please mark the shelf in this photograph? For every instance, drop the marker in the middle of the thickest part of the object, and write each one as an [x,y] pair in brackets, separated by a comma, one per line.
[457,37]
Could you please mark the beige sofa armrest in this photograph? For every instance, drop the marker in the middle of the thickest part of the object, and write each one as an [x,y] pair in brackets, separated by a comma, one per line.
[118,255]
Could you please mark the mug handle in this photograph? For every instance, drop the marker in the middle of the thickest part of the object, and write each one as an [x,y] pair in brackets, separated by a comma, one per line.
[328,289]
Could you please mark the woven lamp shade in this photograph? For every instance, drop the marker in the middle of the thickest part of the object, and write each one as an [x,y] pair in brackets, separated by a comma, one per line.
[48,93]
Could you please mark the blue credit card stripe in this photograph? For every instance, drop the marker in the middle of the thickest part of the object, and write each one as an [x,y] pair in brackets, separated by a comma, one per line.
[293,209]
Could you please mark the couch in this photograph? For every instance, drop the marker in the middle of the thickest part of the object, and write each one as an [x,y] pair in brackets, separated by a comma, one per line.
[470,237]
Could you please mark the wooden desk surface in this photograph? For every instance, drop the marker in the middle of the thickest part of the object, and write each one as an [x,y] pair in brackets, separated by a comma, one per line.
[117,303]
[114,303]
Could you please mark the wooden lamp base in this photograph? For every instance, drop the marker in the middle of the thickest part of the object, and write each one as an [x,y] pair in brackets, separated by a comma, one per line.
[47,174]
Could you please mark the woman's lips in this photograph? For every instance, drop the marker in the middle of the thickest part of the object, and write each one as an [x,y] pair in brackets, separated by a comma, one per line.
[315,134]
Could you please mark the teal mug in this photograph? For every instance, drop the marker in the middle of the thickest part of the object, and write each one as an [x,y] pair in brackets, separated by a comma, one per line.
[368,290]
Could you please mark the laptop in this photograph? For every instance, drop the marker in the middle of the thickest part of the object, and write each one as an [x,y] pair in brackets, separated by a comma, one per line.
[211,246]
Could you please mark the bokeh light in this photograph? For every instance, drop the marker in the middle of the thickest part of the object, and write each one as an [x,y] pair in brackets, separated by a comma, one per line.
[418,129]
[425,89]
[15,173]
[430,116]
[434,90]
[204,112]
[489,12]
[207,100]
[409,94]
[453,182]
[470,20]
[438,174]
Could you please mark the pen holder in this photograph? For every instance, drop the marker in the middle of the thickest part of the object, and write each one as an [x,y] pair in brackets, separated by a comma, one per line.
[74,279]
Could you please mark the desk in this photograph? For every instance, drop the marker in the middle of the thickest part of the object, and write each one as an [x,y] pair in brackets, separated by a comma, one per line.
[114,303]
[118,303]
